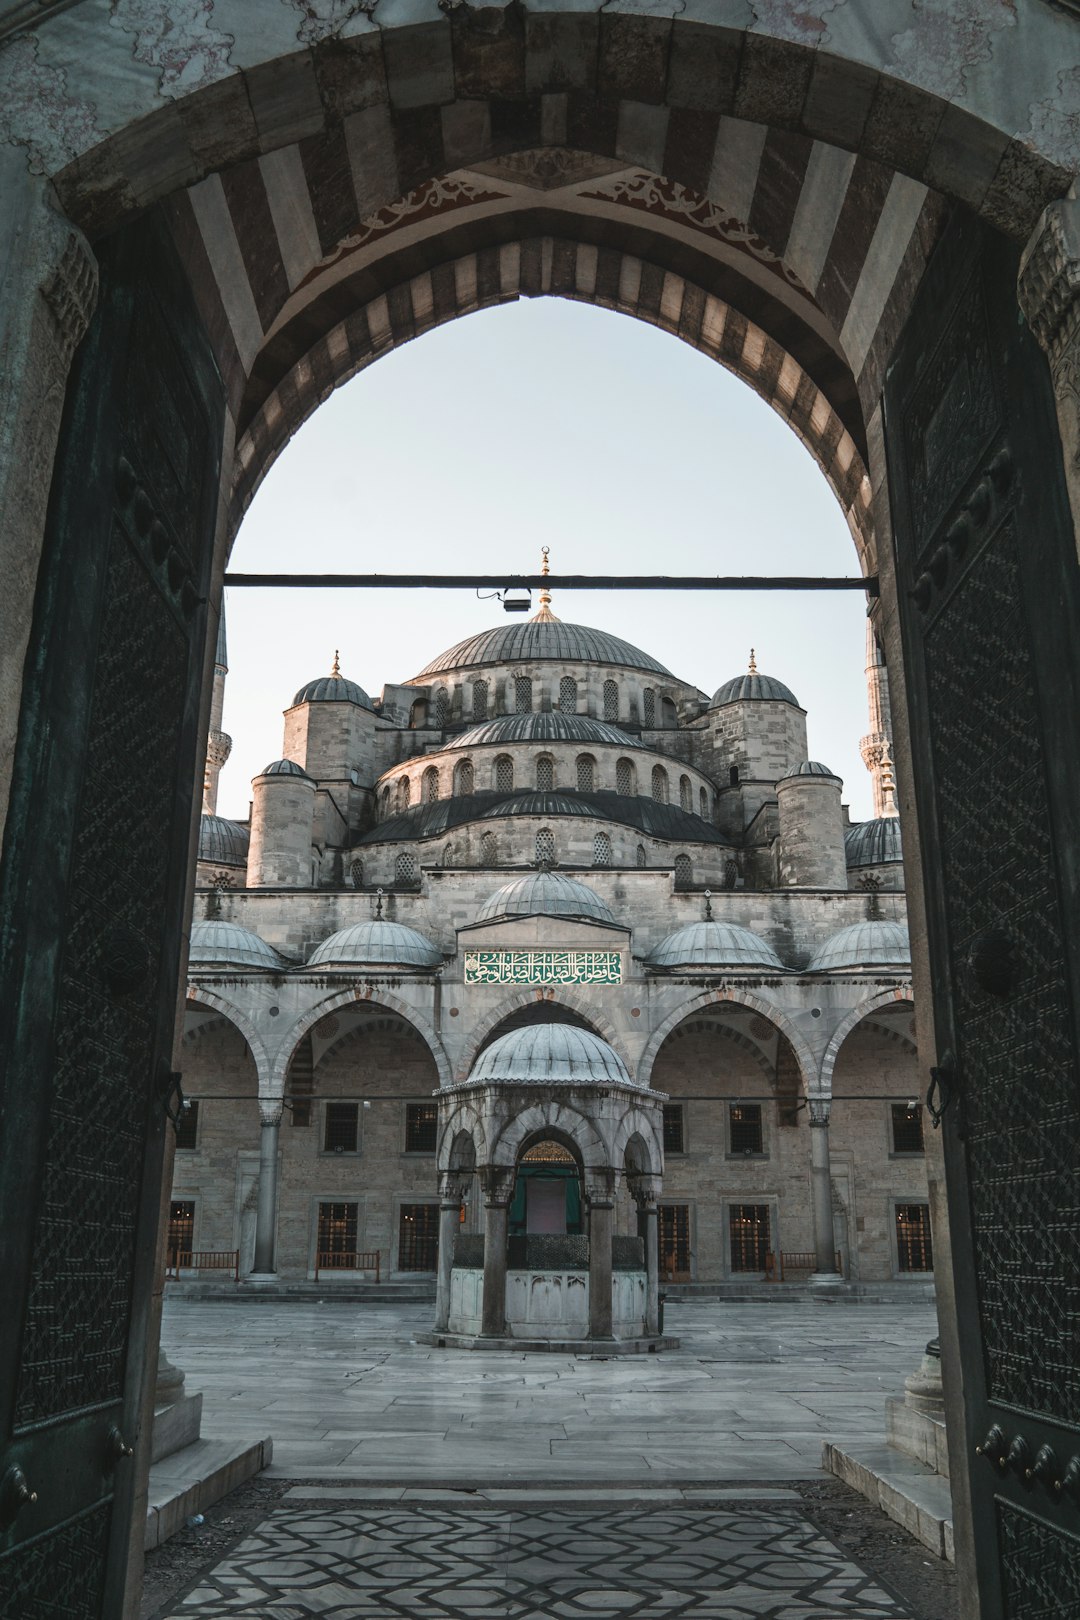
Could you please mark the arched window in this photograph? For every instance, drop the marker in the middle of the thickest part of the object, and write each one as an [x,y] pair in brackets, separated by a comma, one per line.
[669,715]
[429,787]
[463,778]
[523,694]
[442,708]
[611,700]
[405,868]
[504,774]
[601,850]
[683,871]
[404,792]
[356,872]
[384,803]
[489,849]
[545,847]
[479,700]
[641,855]
[733,776]
[648,707]
[586,773]
[659,784]
[703,804]
[686,794]
[418,714]
[624,777]
[545,774]
[568,695]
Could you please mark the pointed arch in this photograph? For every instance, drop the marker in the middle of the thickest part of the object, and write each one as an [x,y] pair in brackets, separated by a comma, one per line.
[256,1045]
[346,998]
[551,1115]
[808,1067]
[574,1000]
[884,998]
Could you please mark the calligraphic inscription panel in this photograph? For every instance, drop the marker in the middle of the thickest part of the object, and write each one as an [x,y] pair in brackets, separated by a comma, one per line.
[543,967]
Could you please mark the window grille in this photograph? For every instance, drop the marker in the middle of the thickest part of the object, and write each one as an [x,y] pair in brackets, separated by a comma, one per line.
[442,708]
[568,695]
[907,1128]
[601,850]
[404,791]
[674,1136]
[545,774]
[405,868]
[686,794]
[181,1228]
[489,849]
[504,774]
[673,1221]
[421,1127]
[545,847]
[464,778]
[187,1129]
[648,707]
[731,873]
[356,872]
[479,700]
[418,1237]
[341,1127]
[624,777]
[683,871]
[337,1229]
[659,784]
[748,1228]
[703,804]
[641,859]
[430,785]
[523,694]
[585,773]
[744,1128]
[914,1245]
[611,700]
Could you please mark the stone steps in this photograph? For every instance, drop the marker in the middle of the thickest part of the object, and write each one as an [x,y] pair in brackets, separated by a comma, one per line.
[905,1489]
[190,1480]
[848,1293]
[371,1293]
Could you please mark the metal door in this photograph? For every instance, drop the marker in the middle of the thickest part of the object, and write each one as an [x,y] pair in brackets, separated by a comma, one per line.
[91,897]
[990,612]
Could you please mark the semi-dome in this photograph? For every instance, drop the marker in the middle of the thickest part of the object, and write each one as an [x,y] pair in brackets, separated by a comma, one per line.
[550,1054]
[752,688]
[810,767]
[284,767]
[226,944]
[552,726]
[864,944]
[714,945]
[387,944]
[539,639]
[874,843]
[333,689]
[545,894]
[222,842]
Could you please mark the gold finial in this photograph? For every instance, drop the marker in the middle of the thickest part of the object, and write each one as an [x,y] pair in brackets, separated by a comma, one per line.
[545,595]
[753,663]
[336,670]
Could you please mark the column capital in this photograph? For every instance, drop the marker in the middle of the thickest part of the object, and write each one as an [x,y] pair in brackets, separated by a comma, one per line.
[1048,286]
[820,1108]
[270,1113]
[496,1183]
[451,1189]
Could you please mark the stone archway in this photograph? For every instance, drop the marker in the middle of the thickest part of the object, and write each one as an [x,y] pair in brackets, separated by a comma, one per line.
[292,1037]
[708,1001]
[514,1009]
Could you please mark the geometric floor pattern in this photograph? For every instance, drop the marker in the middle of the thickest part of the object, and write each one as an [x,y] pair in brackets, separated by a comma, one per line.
[580,1562]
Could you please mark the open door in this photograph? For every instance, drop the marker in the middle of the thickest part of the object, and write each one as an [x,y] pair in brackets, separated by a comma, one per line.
[91,898]
[990,613]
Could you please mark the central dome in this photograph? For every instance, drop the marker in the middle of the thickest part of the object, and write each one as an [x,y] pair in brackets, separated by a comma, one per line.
[537,639]
[552,726]
[546,1054]
[545,894]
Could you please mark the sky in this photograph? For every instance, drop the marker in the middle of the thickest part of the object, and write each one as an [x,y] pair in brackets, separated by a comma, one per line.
[544,422]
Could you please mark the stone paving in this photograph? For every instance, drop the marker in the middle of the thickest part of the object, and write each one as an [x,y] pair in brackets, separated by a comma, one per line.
[346,1393]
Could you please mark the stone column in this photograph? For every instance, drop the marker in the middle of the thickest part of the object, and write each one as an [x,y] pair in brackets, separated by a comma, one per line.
[650,1221]
[266,1214]
[1048,290]
[821,1190]
[450,1200]
[601,1212]
[496,1186]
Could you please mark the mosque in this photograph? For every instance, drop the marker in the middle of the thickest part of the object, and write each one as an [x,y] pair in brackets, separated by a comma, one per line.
[551,978]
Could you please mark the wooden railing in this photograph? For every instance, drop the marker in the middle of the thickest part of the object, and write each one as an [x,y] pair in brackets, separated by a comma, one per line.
[202,1260]
[778,1265]
[348,1261]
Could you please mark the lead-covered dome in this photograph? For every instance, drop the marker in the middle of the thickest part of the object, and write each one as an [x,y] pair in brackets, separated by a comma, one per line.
[377,942]
[753,688]
[864,944]
[550,1054]
[333,689]
[810,767]
[714,945]
[546,894]
[874,843]
[552,726]
[538,639]
[284,767]
[222,842]
[226,944]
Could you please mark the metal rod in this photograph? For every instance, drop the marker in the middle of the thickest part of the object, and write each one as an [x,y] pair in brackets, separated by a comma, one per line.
[556,582]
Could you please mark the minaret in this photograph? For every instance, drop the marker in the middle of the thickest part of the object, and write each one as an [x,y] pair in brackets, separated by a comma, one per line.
[219,744]
[876,746]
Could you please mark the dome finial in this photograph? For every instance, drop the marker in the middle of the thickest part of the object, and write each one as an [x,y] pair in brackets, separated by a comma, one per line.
[378,905]
[708,905]
[545,612]
[753,663]
[335,668]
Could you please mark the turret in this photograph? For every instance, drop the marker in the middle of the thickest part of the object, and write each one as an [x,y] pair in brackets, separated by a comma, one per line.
[811,843]
[282,815]
[219,744]
[330,729]
[759,729]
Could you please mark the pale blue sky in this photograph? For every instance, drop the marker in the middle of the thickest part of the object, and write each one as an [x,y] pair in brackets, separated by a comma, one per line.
[545,423]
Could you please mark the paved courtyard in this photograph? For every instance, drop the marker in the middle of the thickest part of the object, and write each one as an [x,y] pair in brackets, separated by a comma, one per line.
[346,1393]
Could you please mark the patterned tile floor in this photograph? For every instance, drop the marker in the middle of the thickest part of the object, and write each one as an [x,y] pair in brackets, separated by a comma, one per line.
[580,1560]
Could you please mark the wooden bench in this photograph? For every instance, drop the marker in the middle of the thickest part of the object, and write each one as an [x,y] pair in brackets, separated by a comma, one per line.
[202,1260]
[354,1261]
[778,1265]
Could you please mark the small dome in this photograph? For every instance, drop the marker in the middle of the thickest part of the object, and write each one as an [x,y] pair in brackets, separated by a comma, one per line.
[545,1054]
[810,767]
[553,726]
[864,944]
[545,894]
[222,842]
[874,843]
[714,945]
[284,767]
[226,944]
[333,689]
[389,944]
[752,689]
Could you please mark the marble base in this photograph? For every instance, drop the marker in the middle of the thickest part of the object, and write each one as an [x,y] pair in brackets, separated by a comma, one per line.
[176,1425]
[546,1304]
[567,1347]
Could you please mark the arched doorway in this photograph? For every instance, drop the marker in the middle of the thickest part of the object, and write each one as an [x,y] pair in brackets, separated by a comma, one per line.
[805,272]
